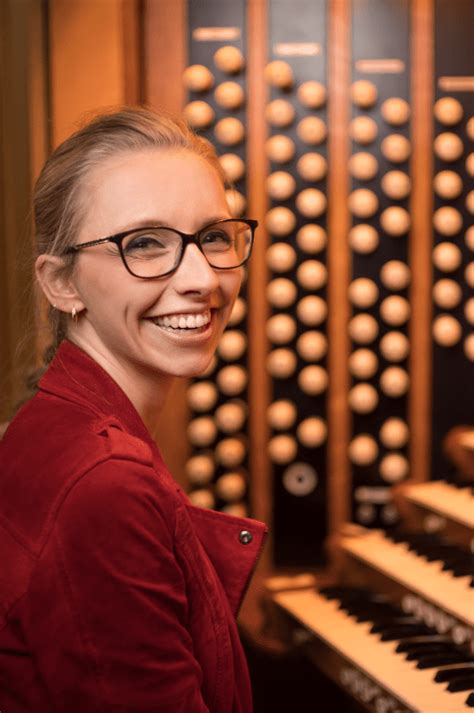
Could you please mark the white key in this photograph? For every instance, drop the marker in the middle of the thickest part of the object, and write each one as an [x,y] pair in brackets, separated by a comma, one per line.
[444,499]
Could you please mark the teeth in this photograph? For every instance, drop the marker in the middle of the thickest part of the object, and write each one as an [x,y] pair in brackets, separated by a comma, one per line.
[184,321]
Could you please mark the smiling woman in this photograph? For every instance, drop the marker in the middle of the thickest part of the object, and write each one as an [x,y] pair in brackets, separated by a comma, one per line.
[117,593]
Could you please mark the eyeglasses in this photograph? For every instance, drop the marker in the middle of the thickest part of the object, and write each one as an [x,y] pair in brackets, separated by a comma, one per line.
[157,251]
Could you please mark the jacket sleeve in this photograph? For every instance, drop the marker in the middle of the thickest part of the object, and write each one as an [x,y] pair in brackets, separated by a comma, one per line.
[106,611]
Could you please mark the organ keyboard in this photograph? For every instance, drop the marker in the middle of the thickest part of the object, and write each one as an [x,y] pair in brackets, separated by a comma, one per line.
[396,630]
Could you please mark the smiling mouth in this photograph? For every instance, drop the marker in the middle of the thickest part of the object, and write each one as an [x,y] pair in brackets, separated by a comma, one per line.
[185,323]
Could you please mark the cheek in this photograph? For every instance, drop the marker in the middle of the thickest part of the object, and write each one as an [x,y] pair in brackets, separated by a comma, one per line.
[231,283]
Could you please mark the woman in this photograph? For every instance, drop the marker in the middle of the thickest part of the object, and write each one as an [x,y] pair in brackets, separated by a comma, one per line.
[116,594]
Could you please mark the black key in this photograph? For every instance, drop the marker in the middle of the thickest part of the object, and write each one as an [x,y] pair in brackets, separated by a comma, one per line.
[423,652]
[461,684]
[470,700]
[437,660]
[454,671]
[403,632]
[381,626]
[437,639]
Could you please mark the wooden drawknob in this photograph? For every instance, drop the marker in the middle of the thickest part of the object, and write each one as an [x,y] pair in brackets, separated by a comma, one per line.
[232,380]
[470,164]
[281,363]
[312,345]
[395,220]
[470,128]
[312,94]
[198,78]
[231,487]
[470,202]
[447,220]
[230,452]
[278,74]
[364,93]
[236,509]
[446,330]
[312,432]
[202,431]
[395,310]
[396,148]
[281,328]
[394,467]
[311,238]
[198,114]
[281,257]
[281,292]
[200,469]
[280,149]
[311,274]
[469,237]
[311,310]
[448,184]
[363,238]
[394,433]
[396,185]
[394,381]
[363,363]
[238,312]
[232,345]
[363,449]
[280,185]
[230,417]
[365,513]
[311,202]
[236,202]
[202,498]
[469,274]
[469,347]
[312,166]
[363,130]
[229,131]
[448,146]
[233,166]
[313,380]
[282,449]
[229,59]
[202,396]
[447,293]
[395,275]
[280,221]
[363,166]
[363,398]
[395,111]
[363,328]
[363,203]
[363,292]
[469,310]
[282,414]
[447,257]
[279,113]
[448,111]
[312,130]
[229,95]
[394,346]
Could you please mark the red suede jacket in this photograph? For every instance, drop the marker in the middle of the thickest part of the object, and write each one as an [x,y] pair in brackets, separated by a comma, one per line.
[116,594]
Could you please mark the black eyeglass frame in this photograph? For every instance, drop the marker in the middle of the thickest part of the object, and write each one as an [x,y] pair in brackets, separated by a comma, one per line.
[186,239]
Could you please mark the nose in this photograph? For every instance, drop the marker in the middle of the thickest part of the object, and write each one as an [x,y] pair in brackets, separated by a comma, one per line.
[194,273]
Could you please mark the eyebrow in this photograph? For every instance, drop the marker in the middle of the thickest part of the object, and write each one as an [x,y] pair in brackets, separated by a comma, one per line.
[155,223]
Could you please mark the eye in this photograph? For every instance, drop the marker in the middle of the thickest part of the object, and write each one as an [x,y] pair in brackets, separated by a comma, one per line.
[144,243]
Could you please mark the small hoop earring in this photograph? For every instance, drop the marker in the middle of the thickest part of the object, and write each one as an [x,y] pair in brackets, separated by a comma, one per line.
[74,314]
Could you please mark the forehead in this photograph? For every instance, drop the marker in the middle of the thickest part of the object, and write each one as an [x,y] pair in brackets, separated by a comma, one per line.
[176,186]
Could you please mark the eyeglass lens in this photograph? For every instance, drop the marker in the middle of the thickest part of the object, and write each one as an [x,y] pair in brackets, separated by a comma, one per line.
[153,252]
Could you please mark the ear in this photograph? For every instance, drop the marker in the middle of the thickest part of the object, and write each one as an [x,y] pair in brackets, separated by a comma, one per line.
[57,285]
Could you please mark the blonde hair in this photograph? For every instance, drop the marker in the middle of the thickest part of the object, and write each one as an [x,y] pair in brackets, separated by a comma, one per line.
[57,205]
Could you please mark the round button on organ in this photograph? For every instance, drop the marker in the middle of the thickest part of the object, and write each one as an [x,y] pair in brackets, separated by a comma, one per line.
[278,74]
[395,220]
[470,128]
[447,257]
[311,130]
[202,431]
[312,94]
[311,238]
[236,202]
[282,414]
[311,274]
[281,257]
[199,114]
[363,129]
[469,310]
[363,238]
[229,131]
[232,380]
[230,452]
[312,432]
[469,347]
[312,346]
[363,166]
[231,487]
[448,111]
[394,433]
[313,380]
[448,184]
[469,274]
[446,330]
[281,328]
[281,363]
[363,292]
[229,95]
[363,329]
[312,166]
[394,381]
[200,469]
[363,203]
[363,363]
[395,111]
[230,417]
[281,292]
[470,164]
[395,275]
[448,146]
[396,185]
[396,148]
[300,479]
[395,310]
[198,78]
[233,166]
[282,449]
[363,93]
[280,149]
[232,345]
[363,449]
[279,113]
[447,220]
[202,396]
[363,398]
[394,467]
[280,185]
[311,310]
[469,237]
[202,498]
[447,293]
[236,509]
[280,221]
[229,59]
[394,346]
[239,311]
